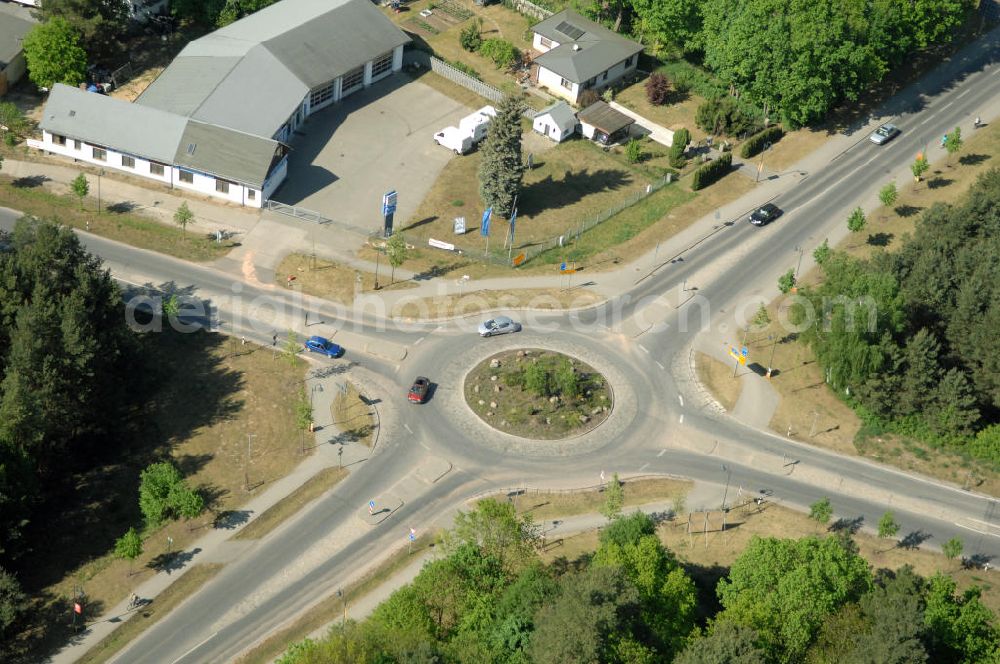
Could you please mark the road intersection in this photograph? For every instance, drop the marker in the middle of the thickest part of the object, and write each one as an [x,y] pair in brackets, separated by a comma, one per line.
[641,338]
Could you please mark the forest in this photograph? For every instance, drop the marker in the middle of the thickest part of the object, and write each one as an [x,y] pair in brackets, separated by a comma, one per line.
[488,598]
[906,337]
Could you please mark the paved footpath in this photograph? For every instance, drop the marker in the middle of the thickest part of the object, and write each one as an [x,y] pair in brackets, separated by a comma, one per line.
[216,546]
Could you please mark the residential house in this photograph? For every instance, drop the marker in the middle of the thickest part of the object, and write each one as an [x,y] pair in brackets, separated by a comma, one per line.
[15,22]
[578,54]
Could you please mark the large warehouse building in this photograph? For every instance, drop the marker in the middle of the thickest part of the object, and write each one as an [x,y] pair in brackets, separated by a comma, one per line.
[217,119]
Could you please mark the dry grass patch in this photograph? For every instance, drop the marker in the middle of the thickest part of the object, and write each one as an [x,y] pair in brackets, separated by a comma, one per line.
[717,377]
[191,582]
[543,506]
[208,392]
[331,280]
[290,505]
[708,558]
[793,147]
[678,112]
[353,416]
[334,608]
[450,306]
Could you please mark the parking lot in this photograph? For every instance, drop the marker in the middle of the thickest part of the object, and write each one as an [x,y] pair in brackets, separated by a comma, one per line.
[376,140]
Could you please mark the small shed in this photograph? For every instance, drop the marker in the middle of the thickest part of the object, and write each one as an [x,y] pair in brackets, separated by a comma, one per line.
[604,124]
[557,122]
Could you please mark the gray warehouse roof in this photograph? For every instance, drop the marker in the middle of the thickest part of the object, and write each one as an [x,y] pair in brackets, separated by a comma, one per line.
[14,25]
[158,135]
[585,48]
[251,74]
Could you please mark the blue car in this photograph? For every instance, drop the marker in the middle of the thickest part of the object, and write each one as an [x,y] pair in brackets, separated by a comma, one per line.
[323,346]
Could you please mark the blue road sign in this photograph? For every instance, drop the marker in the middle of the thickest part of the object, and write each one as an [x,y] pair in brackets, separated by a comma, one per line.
[371,504]
[562,266]
[744,351]
[389,203]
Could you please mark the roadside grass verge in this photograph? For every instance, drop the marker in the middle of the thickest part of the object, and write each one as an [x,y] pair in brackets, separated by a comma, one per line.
[353,416]
[290,505]
[717,377]
[200,400]
[473,302]
[545,505]
[333,608]
[334,281]
[115,223]
[189,583]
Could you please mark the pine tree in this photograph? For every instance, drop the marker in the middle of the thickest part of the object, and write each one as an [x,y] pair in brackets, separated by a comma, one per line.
[502,168]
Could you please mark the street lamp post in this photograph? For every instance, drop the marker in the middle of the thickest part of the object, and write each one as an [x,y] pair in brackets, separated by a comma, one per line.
[726,492]
[100,172]
[246,464]
[799,264]
[774,343]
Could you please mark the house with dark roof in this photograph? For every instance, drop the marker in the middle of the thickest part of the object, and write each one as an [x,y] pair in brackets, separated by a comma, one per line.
[578,54]
[15,23]
[216,121]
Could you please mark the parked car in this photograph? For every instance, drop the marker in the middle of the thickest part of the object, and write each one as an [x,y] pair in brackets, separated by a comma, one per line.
[884,134]
[323,346]
[418,391]
[765,214]
[498,325]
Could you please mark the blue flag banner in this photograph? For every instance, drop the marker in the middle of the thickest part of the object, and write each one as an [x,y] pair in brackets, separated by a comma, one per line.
[484,227]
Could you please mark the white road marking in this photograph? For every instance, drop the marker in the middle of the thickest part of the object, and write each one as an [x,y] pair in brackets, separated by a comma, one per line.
[644,467]
[682,419]
[644,350]
[407,427]
[963,93]
[659,365]
[976,530]
[947,105]
[417,342]
[661,453]
[211,636]
[680,397]
[424,445]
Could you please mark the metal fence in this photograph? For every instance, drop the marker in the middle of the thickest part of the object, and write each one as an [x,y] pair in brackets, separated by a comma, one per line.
[122,75]
[297,212]
[457,76]
[573,233]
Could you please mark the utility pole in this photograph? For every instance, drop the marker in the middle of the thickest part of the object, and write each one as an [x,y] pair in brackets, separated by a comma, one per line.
[726,492]
[377,255]
[100,172]
[770,360]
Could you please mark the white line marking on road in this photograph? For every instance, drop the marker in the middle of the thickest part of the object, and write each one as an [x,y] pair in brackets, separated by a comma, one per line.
[925,121]
[644,350]
[682,419]
[210,637]
[963,93]
[659,365]
[946,105]
[417,342]
[680,397]
[424,445]
[407,427]
[644,467]
[976,530]
[661,453]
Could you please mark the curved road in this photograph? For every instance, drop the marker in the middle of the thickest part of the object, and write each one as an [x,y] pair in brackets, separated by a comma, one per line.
[655,429]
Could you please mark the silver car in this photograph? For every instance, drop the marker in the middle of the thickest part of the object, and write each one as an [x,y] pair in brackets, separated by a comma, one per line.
[498,325]
[884,134]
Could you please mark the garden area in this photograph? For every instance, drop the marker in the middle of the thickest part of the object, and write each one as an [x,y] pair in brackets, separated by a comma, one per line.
[538,394]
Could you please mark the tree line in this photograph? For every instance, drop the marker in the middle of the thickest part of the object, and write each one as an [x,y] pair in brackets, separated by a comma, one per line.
[907,338]
[489,598]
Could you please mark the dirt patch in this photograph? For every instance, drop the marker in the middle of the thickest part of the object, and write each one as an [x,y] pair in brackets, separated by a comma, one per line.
[538,394]
[290,505]
[708,558]
[331,280]
[353,416]
[717,377]
[450,306]
[543,506]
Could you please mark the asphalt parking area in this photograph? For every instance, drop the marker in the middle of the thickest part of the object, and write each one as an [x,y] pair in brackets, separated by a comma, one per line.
[378,139]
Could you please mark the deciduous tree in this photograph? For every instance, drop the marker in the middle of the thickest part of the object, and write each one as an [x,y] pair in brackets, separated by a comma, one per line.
[183,216]
[821,510]
[80,187]
[129,547]
[888,526]
[614,499]
[396,251]
[53,54]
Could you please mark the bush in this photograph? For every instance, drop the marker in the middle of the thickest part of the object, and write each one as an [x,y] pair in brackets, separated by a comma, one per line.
[686,77]
[538,380]
[502,52]
[724,115]
[588,97]
[760,141]
[711,172]
[471,38]
[633,151]
[465,69]
[657,88]
[986,444]
[608,95]
[681,139]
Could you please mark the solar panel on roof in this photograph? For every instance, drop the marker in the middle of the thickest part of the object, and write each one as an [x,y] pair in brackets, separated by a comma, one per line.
[569,30]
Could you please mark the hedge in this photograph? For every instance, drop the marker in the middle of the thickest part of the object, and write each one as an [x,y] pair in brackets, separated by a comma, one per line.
[711,171]
[759,141]
[681,139]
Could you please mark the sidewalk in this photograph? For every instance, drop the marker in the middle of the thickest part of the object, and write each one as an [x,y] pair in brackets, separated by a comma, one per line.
[216,545]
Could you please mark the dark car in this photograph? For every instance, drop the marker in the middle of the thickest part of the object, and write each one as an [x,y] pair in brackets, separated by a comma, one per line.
[323,346]
[419,389]
[765,214]
[884,134]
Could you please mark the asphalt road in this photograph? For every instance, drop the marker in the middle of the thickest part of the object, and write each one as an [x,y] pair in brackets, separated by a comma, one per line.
[270,581]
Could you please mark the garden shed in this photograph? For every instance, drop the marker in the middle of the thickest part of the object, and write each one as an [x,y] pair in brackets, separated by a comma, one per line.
[557,122]
[604,124]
